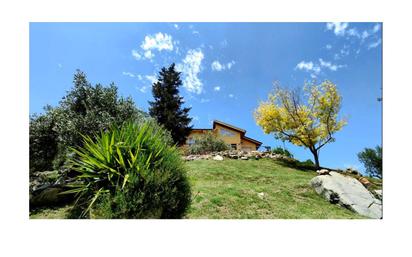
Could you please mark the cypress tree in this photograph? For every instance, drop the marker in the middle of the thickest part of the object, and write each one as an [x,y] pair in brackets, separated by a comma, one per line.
[167,106]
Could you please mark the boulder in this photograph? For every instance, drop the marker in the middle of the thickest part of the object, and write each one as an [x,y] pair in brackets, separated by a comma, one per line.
[48,197]
[365,182]
[218,158]
[378,194]
[352,171]
[349,193]
[323,172]
[244,158]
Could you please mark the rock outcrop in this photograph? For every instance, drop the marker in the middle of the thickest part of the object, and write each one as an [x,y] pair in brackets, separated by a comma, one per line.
[236,154]
[349,193]
[218,158]
[323,172]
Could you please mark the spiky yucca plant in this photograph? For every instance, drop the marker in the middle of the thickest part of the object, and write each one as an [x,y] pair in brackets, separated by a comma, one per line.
[131,171]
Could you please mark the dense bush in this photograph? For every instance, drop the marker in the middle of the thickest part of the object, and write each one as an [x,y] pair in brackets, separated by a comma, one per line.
[296,164]
[372,160]
[42,142]
[131,171]
[282,151]
[85,110]
[207,143]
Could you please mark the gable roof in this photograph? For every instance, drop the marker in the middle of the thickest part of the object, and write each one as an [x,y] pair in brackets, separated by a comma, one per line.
[228,126]
[252,140]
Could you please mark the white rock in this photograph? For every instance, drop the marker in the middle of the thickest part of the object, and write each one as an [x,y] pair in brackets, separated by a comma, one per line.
[378,194]
[348,192]
[261,195]
[323,172]
[218,158]
[244,158]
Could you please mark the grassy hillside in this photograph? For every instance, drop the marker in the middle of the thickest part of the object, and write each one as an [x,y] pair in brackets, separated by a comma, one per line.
[230,189]
[253,189]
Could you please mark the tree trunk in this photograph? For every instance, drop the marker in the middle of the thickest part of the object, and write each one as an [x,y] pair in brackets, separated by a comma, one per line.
[316,157]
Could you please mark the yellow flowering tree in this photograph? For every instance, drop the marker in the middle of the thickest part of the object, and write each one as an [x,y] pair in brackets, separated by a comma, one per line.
[310,124]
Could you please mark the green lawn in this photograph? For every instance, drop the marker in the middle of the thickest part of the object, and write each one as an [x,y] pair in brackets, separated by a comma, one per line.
[230,189]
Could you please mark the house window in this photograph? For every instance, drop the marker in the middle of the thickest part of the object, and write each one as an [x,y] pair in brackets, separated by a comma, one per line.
[226,133]
[190,141]
[233,146]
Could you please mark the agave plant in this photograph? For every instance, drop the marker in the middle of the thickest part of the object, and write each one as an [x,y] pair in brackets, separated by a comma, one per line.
[129,155]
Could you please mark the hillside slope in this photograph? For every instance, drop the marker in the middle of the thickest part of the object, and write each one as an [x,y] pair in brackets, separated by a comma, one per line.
[252,189]
[256,189]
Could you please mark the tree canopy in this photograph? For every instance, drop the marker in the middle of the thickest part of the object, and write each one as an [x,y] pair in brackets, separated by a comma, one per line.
[310,124]
[84,110]
[372,160]
[167,105]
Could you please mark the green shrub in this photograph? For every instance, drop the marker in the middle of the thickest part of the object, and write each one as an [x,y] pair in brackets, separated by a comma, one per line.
[296,164]
[372,160]
[42,142]
[284,152]
[207,143]
[131,171]
[308,163]
[84,110]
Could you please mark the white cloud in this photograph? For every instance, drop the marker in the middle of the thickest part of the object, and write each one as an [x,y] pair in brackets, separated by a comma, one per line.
[148,54]
[328,46]
[231,95]
[376,28]
[204,100]
[353,32]
[190,69]
[329,65]
[217,88]
[129,74]
[307,66]
[158,41]
[217,66]
[195,32]
[59,65]
[375,44]
[316,68]
[148,81]
[345,51]
[143,89]
[230,64]
[342,29]
[176,26]
[223,44]
[337,27]
[151,78]
[136,55]
[365,35]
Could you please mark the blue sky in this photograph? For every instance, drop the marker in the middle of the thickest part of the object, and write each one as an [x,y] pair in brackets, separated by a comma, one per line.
[227,68]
